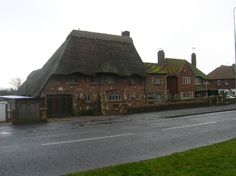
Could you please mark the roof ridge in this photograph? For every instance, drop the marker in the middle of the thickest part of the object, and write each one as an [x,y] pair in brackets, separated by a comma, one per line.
[100,36]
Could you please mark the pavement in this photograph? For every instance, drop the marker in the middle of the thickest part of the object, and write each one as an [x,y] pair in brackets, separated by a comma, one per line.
[92,120]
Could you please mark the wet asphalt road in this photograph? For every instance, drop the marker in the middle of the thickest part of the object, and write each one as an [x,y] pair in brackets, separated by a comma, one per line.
[62,147]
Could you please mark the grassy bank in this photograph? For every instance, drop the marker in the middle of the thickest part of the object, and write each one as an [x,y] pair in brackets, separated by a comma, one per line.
[214,160]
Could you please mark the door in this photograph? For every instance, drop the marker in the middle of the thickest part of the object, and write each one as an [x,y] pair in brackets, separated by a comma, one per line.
[3,106]
[59,105]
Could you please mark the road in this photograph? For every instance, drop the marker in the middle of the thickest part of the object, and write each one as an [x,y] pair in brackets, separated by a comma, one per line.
[62,147]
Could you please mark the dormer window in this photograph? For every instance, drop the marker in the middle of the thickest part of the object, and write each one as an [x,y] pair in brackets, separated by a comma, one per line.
[74,79]
[131,81]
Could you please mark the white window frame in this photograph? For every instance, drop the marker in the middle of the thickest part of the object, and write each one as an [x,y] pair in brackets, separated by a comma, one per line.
[187,95]
[112,97]
[157,81]
[187,80]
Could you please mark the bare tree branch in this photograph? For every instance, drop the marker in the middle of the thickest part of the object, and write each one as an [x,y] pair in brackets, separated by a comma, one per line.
[16,83]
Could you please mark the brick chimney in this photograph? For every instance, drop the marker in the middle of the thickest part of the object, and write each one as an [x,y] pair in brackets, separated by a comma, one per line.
[194,59]
[161,56]
[125,33]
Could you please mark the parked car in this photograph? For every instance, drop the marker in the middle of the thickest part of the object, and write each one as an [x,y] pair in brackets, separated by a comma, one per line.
[230,97]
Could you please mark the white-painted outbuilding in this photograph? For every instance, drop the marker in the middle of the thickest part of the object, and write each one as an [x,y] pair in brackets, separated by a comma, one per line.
[3,111]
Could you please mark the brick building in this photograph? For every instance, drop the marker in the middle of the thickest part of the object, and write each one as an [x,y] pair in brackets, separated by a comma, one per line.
[155,84]
[90,72]
[222,80]
[184,80]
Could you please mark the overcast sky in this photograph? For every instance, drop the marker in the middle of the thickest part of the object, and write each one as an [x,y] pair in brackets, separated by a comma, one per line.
[32,30]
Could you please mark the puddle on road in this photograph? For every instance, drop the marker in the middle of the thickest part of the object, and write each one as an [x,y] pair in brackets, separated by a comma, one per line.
[5,133]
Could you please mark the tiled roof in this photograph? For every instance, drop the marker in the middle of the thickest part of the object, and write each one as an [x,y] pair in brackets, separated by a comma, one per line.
[223,72]
[154,68]
[173,66]
[198,73]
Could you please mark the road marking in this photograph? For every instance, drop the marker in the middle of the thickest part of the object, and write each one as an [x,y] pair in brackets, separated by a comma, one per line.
[88,139]
[187,126]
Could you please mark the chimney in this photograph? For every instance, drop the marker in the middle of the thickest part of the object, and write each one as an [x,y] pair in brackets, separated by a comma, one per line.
[194,59]
[161,56]
[125,33]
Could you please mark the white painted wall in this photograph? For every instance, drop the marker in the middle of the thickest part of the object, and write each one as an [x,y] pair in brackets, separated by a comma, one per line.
[3,106]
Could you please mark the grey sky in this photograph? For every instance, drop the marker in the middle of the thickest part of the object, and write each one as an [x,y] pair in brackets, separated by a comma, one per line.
[31,30]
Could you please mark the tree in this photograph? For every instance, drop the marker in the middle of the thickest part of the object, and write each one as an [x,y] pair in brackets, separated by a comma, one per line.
[16,83]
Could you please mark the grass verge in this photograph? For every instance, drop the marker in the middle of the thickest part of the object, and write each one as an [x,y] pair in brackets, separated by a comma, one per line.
[215,160]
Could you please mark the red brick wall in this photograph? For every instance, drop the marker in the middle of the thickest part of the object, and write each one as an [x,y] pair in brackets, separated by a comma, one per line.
[131,94]
[153,87]
[176,86]
[221,84]
[186,72]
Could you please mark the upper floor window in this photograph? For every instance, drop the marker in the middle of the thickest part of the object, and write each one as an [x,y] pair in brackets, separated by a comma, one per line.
[95,80]
[74,79]
[111,80]
[197,81]
[131,81]
[187,80]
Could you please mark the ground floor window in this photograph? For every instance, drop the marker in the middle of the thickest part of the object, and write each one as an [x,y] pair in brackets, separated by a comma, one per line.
[87,97]
[187,95]
[114,97]
[153,96]
[132,96]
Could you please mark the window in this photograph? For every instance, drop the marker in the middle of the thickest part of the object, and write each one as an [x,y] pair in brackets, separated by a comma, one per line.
[152,96]
[87,97]
[187,80]
[114,97]
[187,95]
[95,80]
[131,81]
[157,81]
[74,79]
[218,82]
[197,81]
[132,96]
[111,80]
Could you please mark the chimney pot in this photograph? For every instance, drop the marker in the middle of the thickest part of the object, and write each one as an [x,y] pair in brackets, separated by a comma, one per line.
[125,33]
[194,59]
[161,56]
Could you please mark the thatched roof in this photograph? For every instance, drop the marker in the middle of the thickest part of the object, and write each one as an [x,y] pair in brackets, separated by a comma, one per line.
[87,53]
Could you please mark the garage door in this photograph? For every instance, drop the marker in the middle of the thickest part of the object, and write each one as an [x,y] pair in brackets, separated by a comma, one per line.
[3,106]
[59,105]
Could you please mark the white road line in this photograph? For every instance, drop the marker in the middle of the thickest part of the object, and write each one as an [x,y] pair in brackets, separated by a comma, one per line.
[88,139]
[187,126]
